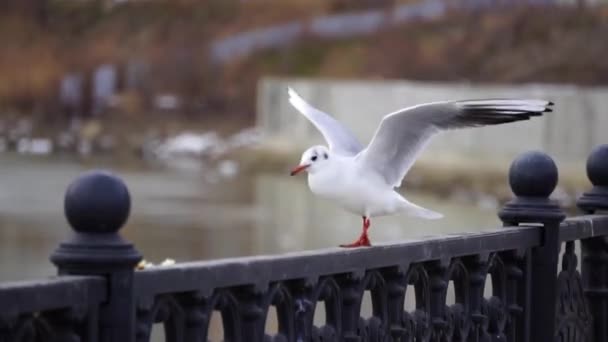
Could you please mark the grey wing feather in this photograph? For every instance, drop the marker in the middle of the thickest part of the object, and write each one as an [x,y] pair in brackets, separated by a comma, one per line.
[403,135]
[339,138]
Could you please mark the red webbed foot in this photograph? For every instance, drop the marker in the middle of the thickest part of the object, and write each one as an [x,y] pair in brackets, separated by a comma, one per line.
[363,240]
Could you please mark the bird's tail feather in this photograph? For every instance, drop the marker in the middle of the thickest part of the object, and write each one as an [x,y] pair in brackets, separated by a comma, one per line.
[416,210]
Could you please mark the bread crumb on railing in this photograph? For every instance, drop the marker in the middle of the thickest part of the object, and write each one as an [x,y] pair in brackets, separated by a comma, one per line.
[167,262]
[144,264]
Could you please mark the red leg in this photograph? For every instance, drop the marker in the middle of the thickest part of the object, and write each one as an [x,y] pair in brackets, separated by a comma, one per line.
[363,239]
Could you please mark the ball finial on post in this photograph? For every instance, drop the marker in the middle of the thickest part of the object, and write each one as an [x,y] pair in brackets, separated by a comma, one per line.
[597,172]
[97,202]
[96,205]
[532,176]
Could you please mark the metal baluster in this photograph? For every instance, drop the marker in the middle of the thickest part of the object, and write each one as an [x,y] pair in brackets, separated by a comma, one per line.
[533,177]
[438,286]
[478,271]
[595,250]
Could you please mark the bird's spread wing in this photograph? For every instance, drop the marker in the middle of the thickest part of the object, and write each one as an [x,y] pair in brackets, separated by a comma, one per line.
[402,135]
[339,138]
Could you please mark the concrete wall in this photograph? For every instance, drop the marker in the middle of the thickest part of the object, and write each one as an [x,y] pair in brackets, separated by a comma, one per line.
[579,123]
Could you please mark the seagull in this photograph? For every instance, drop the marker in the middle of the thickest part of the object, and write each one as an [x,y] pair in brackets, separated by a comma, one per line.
[362,179]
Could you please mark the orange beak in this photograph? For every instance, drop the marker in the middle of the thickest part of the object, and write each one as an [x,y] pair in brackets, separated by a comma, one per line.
[299,168]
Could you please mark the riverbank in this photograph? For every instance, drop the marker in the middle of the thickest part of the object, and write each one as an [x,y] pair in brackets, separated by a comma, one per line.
[112,135]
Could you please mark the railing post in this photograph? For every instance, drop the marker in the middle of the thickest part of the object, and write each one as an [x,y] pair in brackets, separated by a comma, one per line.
[533,177]
[595,250]
[597,172]
[96,205]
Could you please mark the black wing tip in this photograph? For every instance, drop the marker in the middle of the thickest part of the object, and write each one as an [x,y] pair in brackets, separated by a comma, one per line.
[499,111]
[496,115]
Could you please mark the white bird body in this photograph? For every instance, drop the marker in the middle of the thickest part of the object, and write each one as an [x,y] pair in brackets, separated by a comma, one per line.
[369,198]
[362,179]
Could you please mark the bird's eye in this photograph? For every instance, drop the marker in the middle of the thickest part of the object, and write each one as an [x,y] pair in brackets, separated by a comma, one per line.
[325,155]
[313,158]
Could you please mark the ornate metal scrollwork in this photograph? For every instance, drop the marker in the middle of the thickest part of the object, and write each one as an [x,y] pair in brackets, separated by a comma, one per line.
[280,297]
[459,323]
[418,323]
[198,310]
[56,325]
[26,328]
[354,326]
[186,316]
[477,266]
[400,325]
[396,285]
[448,323]
[166,309]
[307,295]
[574,320]
[438,286]
[227,304]
[245,310]
[508,278]
[471,317]
[495,307]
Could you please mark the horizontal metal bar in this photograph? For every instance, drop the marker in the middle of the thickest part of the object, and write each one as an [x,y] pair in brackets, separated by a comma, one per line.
[596,292]
[50,294]
[261,270]
[583,227]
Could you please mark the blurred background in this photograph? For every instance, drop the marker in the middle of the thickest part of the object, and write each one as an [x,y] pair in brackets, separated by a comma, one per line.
[186,100]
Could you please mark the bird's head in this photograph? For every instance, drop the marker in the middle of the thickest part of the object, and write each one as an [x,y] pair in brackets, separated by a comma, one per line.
[312,160]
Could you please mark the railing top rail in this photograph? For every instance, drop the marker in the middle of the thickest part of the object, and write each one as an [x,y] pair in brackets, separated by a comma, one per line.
[583,227]
[260,270]
[50,294]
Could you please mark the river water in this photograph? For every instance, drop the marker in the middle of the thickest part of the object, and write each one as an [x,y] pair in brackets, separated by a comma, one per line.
[185,214]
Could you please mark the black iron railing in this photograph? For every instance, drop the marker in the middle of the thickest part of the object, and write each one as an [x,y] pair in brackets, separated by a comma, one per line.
[535,296]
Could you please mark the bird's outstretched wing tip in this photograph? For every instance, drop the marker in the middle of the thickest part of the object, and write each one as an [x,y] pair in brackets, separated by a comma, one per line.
[296,100]
[292,93]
